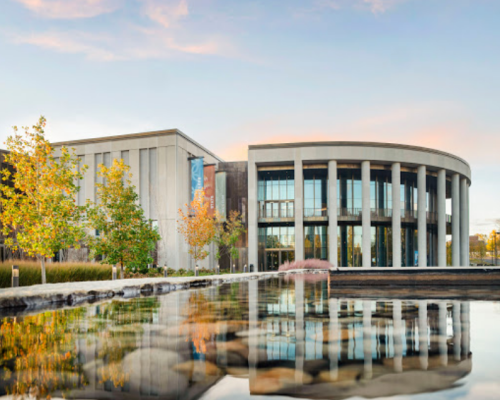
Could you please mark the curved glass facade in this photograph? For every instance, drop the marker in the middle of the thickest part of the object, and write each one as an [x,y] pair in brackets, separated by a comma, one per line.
[276,198]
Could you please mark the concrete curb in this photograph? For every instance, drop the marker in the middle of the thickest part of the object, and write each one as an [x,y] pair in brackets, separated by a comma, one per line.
[72,293]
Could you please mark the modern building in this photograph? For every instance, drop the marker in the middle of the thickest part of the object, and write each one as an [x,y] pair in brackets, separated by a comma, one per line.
[160,166]
[356,204]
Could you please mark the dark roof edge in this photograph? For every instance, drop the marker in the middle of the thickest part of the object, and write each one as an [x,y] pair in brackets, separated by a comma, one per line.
[165,132]
[358,144]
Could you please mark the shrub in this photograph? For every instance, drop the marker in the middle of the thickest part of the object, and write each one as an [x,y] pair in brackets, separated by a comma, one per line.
[312,263]
[30,274]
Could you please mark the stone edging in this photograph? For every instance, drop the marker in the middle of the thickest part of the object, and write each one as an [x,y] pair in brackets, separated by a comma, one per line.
[72,293]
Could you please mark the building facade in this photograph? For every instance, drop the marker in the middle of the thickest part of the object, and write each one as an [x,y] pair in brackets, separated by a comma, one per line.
[355,204]
[160,167]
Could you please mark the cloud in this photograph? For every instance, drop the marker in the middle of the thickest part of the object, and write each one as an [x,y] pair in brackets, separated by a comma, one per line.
[70,9]
[143,44]
[374,6]
[70,42]
[159,35]
[167,12]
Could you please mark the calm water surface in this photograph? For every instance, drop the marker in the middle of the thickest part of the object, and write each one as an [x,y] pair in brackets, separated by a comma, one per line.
[258,339]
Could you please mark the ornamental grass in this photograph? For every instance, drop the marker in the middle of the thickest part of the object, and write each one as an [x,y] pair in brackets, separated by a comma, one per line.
[30,274]
[311,263]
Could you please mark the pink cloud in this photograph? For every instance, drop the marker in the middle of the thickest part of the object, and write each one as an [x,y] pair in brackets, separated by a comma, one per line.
[165,12]
[66,9]
[71,43]
[137,43]
[160,37]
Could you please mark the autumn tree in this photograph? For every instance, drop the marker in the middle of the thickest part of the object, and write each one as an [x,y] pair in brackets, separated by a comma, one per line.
[227,234]
[493,243]
[124,236]
[39,212]
[39,354]
[197,226]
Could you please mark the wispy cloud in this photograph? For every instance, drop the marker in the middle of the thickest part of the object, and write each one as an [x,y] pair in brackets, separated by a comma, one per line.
[158,34]
[70,9]
[142,44]
[71,43]
[374,6]
[167,12]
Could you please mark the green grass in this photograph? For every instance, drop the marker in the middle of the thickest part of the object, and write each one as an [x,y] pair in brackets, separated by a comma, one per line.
[30,274]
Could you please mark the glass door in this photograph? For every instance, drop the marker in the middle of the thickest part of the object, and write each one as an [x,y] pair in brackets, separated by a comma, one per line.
[272,260]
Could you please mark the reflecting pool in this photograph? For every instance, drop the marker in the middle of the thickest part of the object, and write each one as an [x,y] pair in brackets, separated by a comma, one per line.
[285,338]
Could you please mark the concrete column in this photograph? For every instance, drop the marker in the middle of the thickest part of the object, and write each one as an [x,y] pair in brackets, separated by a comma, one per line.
[441,217]
[396,215]
[455,220]
[422,216]
[333,338]
[464,232]
[367,339]
[299,331]
[423,342]
[299,208]
[457,330]
[332,212]
[253,240]
[467,210]
[443,344]
[396,333]
[253,322]
[366,214]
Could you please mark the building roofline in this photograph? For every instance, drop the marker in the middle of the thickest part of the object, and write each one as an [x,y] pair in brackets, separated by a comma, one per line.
[355,144]
[165,132]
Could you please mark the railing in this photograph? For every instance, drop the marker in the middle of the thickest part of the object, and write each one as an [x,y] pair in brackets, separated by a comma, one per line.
[349,212]
[285,209]
[315,212]
[276,209]
[381,212]
[409,214]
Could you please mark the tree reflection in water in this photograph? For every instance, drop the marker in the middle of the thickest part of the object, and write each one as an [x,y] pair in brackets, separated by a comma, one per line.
[290,337]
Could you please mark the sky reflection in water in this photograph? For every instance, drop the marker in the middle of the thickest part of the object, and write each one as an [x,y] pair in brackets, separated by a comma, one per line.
[285,338]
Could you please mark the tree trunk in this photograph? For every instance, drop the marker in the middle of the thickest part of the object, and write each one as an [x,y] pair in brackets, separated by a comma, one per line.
[121,271]
[44,279]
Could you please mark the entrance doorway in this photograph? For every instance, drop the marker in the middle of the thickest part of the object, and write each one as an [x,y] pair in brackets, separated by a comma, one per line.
[275,258]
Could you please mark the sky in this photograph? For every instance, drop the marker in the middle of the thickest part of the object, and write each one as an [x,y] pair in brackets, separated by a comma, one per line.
[232,73]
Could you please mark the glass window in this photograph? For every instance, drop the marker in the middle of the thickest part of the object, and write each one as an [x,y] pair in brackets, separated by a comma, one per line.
[373,194]
[283,193]
[269,190]
[316,242]
[315,192]
[290,184]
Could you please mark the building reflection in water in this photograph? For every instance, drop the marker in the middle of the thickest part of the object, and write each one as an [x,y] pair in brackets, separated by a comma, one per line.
[347,347]
[278,337]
